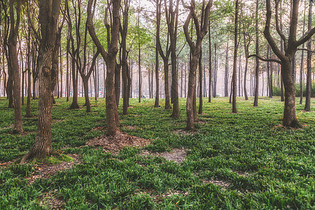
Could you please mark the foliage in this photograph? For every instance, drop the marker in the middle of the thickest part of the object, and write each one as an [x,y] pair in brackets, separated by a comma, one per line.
[277,91]
[265,166]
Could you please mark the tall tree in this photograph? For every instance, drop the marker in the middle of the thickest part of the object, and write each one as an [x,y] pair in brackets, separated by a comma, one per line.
[124,57]
[215,72]
[157,76]
[234,77]
[9,84]
[257,53]
[171,14]
[14,63]
[226,72]
[165,57]
[109,56]
[291,44]
[210,62]
[201,29]
[73,50]
[302,62]
[48,52]
[309,61]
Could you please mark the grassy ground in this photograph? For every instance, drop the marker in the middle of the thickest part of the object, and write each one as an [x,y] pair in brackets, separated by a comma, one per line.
[255,163]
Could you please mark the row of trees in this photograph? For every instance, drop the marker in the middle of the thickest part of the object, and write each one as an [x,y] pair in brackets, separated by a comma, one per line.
[81,32]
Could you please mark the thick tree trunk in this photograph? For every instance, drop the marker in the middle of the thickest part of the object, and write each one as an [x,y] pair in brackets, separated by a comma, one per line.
[47,76]
[111,106]
[191,91]
[289,116]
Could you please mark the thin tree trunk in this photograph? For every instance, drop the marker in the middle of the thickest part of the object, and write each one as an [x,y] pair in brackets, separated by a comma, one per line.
[200,82]
[257,53]
[309,64]
[210,62]
[14,65]
[226,73]
[166,86]
[61,73]
[28,103]
[215,73]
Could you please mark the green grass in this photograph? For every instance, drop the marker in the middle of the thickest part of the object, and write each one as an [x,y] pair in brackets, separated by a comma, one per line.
[279,163]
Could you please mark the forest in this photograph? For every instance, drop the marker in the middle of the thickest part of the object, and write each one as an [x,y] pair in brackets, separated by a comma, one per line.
[157,104]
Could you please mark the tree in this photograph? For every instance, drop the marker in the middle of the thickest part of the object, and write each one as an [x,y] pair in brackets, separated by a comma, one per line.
[124,57]
[234,109]
[80,56]
[48,51]
[157,32]
[109,57]
[291,44]
[201,29]
[73,49]
[172,23]
[309,63]
[226,72]
[257,53]
[210,62]
[165,57]
[14,64]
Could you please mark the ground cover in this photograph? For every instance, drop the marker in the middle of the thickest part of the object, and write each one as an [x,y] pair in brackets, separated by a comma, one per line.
[244,160]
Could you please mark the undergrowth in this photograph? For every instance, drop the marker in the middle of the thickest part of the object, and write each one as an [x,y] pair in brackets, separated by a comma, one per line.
[263,165]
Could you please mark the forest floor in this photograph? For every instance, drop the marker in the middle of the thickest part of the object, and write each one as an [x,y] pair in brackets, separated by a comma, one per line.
[231,161]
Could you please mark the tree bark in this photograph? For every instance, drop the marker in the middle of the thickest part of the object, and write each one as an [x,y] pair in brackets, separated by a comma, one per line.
[200,82]
[226,72]
[309,64]
[210,63]
[201,27]
[290,47]
[48,51]
[112,119]
[257,53]
[234,77]
[124,59]
[14,65]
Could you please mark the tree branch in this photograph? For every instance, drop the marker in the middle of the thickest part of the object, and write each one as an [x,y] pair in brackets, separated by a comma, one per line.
[306,37]
[264,59]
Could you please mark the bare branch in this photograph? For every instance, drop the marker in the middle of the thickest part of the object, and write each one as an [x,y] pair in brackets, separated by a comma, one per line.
[264,59]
